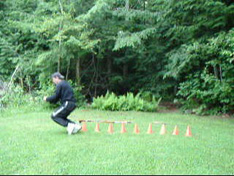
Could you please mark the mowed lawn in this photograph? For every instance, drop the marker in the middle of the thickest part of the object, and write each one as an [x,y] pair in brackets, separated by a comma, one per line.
[31,143]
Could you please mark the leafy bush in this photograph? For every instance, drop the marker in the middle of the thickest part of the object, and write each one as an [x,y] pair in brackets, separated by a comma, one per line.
[80,98]
[16,97]
[125,103]
[207,70]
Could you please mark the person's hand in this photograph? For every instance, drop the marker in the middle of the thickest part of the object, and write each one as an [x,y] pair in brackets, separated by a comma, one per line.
[45,98]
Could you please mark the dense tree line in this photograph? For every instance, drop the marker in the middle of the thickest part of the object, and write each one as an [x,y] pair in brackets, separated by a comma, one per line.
[181,50]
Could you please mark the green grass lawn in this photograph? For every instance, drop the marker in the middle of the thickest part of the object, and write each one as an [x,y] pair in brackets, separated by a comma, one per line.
[31,143]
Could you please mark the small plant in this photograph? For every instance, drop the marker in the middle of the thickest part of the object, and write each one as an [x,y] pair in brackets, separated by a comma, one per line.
[15,97]
[127,102]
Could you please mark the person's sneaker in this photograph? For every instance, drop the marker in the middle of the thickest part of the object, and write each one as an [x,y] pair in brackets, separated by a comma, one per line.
[77,128]
[70,128]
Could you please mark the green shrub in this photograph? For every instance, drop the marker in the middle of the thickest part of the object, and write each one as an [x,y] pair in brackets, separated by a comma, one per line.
[207,70]
[16,97]
[80,98]
[127,102]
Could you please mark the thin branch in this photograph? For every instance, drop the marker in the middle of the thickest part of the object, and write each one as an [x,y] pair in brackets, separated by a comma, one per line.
[68,68]
[221,73]
[12,77]
[61,6]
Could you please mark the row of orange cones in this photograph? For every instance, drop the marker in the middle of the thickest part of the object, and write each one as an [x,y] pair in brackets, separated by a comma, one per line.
[137,131]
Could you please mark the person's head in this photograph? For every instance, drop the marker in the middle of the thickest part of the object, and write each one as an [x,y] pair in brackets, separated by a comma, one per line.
[57,77]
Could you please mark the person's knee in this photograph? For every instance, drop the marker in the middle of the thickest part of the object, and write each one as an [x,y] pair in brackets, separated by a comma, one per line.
[58,119]
[53,117]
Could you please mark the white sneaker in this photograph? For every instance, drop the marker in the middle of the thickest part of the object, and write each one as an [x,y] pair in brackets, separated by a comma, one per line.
[70,128]
[77,128]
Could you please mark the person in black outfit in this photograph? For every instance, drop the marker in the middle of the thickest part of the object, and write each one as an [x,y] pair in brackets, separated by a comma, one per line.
[65,94]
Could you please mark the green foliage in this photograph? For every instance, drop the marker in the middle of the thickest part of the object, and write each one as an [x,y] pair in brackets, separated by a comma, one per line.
[208,70]
[132,39]
[157,46]
[80,98]
[15,98]
[125,103]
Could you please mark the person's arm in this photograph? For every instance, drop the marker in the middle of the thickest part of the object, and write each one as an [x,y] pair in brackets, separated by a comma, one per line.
[54,98]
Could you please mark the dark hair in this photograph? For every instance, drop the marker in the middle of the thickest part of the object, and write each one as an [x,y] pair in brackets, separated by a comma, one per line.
[58,75]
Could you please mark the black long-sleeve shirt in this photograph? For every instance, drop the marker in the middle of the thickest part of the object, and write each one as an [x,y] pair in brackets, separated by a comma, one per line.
[63,93]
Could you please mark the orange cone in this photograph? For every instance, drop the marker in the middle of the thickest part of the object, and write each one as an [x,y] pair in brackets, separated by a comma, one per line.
[176,131]
[188,132]
[111,128]
[163,130]
[84,127]
[123,129]
[150,130]
[97,129]
[136,129]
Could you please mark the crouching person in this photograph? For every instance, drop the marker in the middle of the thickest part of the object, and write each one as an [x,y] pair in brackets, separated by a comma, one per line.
[65,94]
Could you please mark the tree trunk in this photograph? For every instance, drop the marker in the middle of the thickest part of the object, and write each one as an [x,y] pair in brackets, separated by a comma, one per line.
[59,59]
[78,71]
[125,67]
[144,7]
[127,4]
[109,66]
[127,8]
[125,70]
[22,83]
[68,68]
[221,73]
[215,72]
[60,39]
[96,77]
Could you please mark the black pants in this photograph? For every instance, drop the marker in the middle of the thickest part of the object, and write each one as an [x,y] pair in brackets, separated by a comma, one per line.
[60,115]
